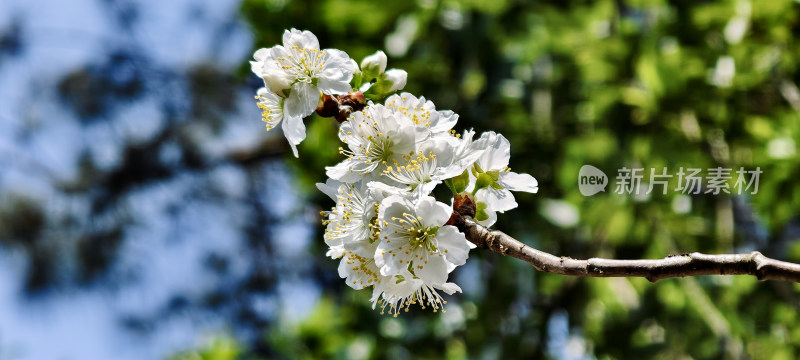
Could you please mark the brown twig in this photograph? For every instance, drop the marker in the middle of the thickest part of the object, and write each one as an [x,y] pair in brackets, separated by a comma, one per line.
[693,264]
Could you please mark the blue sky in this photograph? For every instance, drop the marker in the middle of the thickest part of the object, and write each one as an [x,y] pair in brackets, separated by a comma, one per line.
[41,144]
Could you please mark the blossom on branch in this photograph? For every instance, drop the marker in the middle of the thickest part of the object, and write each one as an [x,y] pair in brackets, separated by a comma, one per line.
[299,72]
[374,136]
[272,114]
[414,236]
[386,229]
[492,180]
[406,290]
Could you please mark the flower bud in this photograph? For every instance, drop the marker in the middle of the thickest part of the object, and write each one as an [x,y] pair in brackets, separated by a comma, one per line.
[455,220]
[355,100]
[464,204]
[354,66]
[327,106]
[397,78]
[375,62]
[344,113]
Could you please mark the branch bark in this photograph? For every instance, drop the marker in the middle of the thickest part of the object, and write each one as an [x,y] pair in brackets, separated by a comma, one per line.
[756,264]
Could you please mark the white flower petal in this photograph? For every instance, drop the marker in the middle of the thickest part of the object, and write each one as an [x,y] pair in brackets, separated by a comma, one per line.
[275,78]
[271,108]
[257,67]
[432,272]
[330,86]
[377,60]
[496,200]
[393,206]
[398,79]
[295,131]
[394,291]
[262,54]
[362,248]
[380,191]
[302,39]
[330,188]
[448,288]
[389,265]
[338,65]
[335,252]
[425,188]
[497,154]
[302,101]
[446,120]
[359,271]
[432,212]
[518,182]
[341,171]
[455,243]
[336,73]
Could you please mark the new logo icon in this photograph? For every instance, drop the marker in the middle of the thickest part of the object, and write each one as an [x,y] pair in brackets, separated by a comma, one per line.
[591,180]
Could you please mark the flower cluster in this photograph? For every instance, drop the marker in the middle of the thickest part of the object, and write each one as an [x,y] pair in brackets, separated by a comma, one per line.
[386,228]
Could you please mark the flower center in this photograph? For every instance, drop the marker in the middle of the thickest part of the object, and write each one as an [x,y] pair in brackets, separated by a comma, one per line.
[376,150]
[350,217]
[271,113]
[419,236]
[303,64]
[365,274]
[419,115]
[414,170]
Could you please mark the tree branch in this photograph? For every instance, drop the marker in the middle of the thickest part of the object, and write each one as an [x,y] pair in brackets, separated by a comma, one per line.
[693,264]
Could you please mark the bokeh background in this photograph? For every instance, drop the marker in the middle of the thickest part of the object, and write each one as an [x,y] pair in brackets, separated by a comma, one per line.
[146,214]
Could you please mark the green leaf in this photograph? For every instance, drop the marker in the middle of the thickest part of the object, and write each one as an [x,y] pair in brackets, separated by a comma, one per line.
[449,183]
[358,79]
[484,180]
[380,88]
[480,212]
[476,169]
[370,72]
[460,182]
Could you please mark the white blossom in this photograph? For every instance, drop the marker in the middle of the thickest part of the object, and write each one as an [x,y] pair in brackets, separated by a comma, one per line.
[414,237]
[272,114]
[374,137]
[359,271]
[467,150]
[385,228]
[400,291]
[298,71]
[484,216]
[398,79]
[492,170]
[423,113]
[375,62]
[427,167]
[350,221]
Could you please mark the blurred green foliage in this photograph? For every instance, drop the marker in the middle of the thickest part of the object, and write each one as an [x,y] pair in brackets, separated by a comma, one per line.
[614,84]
